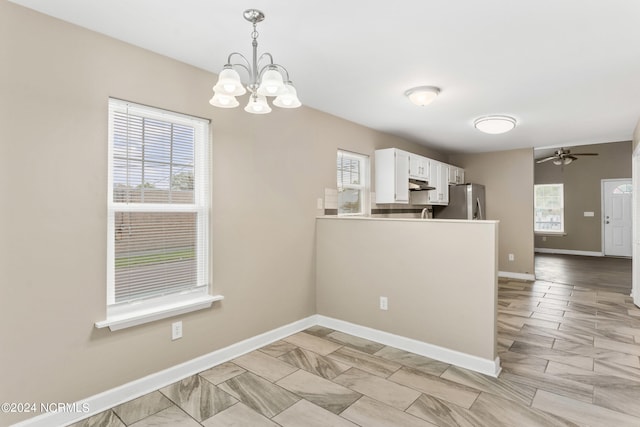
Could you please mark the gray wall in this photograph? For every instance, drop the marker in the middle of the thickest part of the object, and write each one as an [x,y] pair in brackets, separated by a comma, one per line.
[268,171]
[508,177]
[582,193]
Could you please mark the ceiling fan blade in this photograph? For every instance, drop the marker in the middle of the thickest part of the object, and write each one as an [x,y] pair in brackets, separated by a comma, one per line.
[570,156]
[546,159]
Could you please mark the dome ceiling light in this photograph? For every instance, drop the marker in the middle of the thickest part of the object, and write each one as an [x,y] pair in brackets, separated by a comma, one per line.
[495,124]
[422,95]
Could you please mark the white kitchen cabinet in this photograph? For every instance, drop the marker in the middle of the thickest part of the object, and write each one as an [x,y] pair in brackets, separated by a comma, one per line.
[456,175]
[443,188]
[418,167]
[392,176]
[440,180]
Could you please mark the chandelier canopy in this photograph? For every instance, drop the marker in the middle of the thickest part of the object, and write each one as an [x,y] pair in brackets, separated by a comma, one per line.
[269,80]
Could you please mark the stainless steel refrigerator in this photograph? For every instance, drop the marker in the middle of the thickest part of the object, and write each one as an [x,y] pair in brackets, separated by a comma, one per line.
[466,201]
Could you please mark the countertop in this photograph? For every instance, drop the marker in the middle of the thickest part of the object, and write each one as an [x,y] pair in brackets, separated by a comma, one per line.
[431,220]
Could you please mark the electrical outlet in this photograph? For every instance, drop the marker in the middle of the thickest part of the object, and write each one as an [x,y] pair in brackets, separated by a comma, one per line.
[544,238]
[176,330]
[384,303]
[512,257]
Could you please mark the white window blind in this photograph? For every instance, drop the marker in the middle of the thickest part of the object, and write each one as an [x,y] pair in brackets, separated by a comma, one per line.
[158,204]
[352,183]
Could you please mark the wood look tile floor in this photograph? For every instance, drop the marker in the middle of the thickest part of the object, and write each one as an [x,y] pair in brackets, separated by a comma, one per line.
[570,352]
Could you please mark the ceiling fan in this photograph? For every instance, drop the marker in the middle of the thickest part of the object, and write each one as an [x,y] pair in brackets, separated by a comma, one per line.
[564,157]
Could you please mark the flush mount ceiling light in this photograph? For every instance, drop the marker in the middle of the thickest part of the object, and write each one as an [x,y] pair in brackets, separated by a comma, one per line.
[422,95]
[264,80]
[495,124]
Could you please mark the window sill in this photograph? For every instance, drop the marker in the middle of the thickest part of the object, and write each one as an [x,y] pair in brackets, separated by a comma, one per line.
[135,318]
[549,233]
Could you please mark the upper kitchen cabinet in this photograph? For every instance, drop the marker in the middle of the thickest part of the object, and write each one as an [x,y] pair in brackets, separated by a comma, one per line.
[456,175]
[440,180]
[418,167]
[394,168]
[392,176]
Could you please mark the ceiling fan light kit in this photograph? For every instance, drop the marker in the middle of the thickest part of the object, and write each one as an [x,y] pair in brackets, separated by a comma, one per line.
[264,80]
[495,124]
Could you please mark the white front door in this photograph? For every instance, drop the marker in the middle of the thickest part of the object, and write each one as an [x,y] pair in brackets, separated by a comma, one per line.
[617,216]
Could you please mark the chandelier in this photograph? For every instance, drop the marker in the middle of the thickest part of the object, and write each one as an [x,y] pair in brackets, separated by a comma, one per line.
[264,80]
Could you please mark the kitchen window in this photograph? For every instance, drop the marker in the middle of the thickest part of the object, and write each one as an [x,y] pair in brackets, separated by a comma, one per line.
[158,214]
[549,208]
[353,183]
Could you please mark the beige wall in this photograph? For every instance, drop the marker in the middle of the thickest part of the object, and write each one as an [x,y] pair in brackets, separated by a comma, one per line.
[440,291]
[582,193]
[508,178]
[268,171]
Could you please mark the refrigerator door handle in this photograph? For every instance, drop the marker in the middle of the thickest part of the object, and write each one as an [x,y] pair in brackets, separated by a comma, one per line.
[478,214]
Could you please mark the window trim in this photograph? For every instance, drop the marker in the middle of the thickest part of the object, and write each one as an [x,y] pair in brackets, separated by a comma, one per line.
[362,188]
[538,232]
[139,314]
[126,314]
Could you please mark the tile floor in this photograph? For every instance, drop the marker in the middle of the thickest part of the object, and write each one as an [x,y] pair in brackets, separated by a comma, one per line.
[570,356]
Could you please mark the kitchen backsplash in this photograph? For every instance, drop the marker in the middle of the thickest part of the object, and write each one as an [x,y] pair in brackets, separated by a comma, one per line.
[386,210]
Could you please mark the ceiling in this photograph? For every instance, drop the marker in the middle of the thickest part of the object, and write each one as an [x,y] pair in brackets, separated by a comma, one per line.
[568,71]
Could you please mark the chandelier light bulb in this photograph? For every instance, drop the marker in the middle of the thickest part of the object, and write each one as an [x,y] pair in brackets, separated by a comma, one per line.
[257,105]
[272,84]
[224,101]
[288,99]
[229,83]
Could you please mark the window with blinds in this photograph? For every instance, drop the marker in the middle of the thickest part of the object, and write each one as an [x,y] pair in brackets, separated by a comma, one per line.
[352,183]
[158,205]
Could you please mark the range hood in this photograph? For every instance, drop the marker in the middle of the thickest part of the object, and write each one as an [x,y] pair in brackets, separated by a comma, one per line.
[419,185]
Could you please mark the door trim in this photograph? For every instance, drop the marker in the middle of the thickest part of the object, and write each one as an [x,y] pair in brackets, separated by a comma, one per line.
[602,207]
[635,223]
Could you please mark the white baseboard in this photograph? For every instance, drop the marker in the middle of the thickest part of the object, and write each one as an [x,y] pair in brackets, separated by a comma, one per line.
[519,276]
[567,252]
[110,398]
[463,360]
